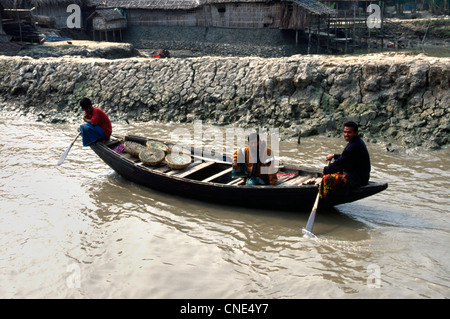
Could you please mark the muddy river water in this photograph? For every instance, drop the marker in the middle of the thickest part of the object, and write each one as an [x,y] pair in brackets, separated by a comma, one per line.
[79,230]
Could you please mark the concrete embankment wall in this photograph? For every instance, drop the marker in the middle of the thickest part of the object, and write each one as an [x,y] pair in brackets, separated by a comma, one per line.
[397,98]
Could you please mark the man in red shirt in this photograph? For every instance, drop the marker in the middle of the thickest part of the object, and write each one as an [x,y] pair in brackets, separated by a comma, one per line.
[97,127]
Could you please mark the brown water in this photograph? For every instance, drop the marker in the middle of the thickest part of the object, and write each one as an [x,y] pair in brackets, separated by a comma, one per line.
[81,231]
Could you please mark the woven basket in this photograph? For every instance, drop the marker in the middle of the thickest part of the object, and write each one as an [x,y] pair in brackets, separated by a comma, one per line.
[158,145]
[133,148]
[151,156]
[178,161]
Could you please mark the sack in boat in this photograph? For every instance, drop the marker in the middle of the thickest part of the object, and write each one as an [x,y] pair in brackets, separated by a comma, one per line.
[151,156]
[120,149]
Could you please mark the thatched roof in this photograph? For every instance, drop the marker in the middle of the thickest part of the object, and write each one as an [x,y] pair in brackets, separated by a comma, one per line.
[312,5]
[108,14]
[147,4]
[27,4]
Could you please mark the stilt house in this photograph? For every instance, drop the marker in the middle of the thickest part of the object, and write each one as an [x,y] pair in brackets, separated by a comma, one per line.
[281,14]
[108,22]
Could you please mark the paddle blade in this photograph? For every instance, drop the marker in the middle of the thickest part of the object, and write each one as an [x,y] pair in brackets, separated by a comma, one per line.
[307,231]
[63,157]
[310,223]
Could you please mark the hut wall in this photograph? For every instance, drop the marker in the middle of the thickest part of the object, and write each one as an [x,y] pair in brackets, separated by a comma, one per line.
[293,17]
[249,15]
[101,24]
[163,17]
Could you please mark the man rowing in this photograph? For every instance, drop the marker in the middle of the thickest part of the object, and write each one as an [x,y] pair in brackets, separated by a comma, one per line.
[350,169]
[97,127]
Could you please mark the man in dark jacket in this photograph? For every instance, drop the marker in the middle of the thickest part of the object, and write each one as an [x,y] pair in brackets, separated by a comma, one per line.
[353,163]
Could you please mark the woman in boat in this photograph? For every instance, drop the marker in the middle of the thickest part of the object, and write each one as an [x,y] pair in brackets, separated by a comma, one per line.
[97,126]
[350,169]
[256,161]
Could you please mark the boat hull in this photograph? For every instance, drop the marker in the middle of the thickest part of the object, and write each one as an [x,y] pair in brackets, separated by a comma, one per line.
[300,198]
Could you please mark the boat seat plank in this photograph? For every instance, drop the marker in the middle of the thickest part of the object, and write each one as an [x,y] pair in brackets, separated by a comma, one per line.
[313,180]
[195,169]
[209,159]
[162,169]
[235,181]
[299,180]
[131,157]
[177,172]
[224,172]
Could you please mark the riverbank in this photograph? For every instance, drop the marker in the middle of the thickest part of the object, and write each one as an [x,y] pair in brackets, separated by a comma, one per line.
[397,98]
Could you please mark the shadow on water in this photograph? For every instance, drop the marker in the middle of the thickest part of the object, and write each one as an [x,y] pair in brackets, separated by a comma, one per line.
[387,216]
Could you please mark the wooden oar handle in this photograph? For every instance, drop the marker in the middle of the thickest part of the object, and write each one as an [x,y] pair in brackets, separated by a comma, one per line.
[79,133]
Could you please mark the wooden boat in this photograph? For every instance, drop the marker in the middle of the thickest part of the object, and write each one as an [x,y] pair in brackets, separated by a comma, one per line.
[209,179]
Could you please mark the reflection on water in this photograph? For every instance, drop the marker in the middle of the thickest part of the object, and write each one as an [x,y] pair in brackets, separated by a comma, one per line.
[81,231]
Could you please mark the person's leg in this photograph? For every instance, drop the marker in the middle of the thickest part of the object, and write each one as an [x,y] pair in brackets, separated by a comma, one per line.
[255,181]
[91,133]
[332,182]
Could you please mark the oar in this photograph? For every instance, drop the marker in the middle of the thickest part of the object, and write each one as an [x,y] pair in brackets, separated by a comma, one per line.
[63,157]
[307,231]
